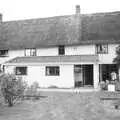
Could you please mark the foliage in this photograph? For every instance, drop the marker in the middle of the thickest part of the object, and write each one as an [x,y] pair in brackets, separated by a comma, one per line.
[117,58]
[11,87]
[103,85]
[117,86]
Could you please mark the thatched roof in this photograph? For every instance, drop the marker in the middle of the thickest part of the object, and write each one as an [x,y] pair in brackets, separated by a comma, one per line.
[61,30]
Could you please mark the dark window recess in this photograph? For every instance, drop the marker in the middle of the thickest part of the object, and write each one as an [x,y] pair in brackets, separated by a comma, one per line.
[21,70]
[3,53]
[102,49]
[52,71]
[61,49]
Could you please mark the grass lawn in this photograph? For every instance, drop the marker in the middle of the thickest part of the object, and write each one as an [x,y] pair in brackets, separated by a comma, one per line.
[62,106]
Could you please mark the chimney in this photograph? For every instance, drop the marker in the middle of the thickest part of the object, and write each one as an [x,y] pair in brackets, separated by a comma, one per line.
[77,9]
[1,17]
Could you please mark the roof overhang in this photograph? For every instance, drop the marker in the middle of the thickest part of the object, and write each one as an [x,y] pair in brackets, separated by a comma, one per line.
[38,60]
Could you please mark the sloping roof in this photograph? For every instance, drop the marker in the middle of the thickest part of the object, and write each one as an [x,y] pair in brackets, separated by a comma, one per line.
[53,59]
[101,26]
[61,30]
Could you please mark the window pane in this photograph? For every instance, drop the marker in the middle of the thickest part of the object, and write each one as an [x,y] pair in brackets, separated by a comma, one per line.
[3,52]
[30,52]
[33,52]
[21,70]
[61,50]
[52,71]
[27,52]
[102,49]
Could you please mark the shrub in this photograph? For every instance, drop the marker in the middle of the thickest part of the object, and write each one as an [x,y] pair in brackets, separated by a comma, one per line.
[11,87]
[103,85]
[117,86]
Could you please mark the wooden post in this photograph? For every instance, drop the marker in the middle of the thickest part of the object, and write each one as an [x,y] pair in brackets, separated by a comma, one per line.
[96,75]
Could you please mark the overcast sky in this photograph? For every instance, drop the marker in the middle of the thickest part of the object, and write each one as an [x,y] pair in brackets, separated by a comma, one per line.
[26,9]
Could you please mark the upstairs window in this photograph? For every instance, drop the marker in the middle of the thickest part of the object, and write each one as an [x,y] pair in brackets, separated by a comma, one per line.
[52,71]
[3,53]
[102,48]
[30,52]
[21,71]
[61,50]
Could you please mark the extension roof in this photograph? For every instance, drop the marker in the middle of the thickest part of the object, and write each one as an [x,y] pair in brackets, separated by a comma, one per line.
[52,59]
[61,30]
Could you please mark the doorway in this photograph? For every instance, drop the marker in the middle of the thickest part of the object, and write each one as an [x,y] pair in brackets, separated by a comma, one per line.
[105,71]
[83,75]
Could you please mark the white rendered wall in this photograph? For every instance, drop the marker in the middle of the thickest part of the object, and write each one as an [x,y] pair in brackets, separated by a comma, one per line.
[51,51]
[69,50]
[37,73]
[108,58]
[12,54]
[80,50]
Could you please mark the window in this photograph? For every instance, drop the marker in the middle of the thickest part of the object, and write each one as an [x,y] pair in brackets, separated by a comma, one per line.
[3,53]
[52,71]
[61,49]
[30,52]
[21,71]
[102,49]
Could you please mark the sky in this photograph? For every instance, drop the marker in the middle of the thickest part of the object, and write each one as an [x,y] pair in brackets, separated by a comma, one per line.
[28,9]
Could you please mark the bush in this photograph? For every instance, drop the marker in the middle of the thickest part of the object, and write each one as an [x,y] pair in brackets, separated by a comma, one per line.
[103,85]
[11,87]
[117,86]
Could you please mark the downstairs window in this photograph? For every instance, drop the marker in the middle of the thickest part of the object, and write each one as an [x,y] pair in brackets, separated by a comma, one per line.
[52,71]
[21,70]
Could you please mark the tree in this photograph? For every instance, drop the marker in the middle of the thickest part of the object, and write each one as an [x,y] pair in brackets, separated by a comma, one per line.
[11,87]
[117,61]
[117,58]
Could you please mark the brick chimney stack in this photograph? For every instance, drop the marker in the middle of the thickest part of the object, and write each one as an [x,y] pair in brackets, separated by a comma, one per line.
[77,9]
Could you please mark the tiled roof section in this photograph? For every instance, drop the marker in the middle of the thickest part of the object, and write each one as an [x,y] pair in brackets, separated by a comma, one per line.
[54,59]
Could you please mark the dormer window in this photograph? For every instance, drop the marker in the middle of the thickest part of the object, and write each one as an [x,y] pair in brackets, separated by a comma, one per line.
[102,48]
[30,52]
[3,53]
[61,50]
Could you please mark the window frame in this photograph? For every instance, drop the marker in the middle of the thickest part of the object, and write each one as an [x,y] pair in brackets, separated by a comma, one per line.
[54,69]
[98,51]
[61,50]
[30,50]
[5,53]
[21,74]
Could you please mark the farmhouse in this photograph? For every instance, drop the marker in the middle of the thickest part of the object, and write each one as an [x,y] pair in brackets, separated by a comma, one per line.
[65,51]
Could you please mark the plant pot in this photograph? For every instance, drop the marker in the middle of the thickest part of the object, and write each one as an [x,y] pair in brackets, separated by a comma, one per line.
[111,87]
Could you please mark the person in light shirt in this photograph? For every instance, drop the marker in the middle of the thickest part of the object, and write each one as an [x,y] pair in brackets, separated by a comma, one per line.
[113,76]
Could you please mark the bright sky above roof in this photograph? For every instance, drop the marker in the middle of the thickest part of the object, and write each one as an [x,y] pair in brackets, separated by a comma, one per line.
[26,9]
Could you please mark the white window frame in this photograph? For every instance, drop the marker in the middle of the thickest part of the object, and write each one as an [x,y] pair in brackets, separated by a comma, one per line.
[30,52]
